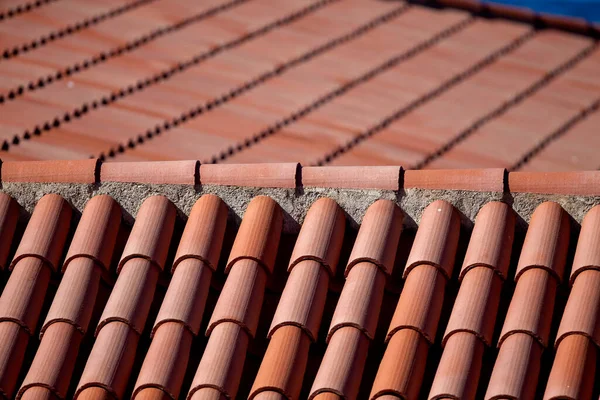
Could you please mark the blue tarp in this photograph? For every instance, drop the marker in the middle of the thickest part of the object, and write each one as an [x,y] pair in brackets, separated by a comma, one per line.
[587,9]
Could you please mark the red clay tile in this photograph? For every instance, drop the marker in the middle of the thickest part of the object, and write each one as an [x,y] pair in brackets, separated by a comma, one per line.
[531,307]
[131,296]
[259,234]
[46,231]
[327,396]
[222,362]
[360,300]
[269,395]
[274,175]
[207,393]
[13,344]
[96,233]
[547,240]
[343,363]
[583,183]
[303,299]
[568,23]
[94,393]
[457,374]
[491,240]
[166,361]
[9,216]
[437,239]
[154,172]
[321,235]
[151,234]
[109,364]
[582,312]
[71,171]
[54,361]
[203,235]
[479,180]
[573,371]
[587,255]
[420,303]
[512,12]
[402,367]
[516,370]
[476,305]
[380,177]
[38,393]
[284,363]
[186,296]
[151,393]
[378,236]
[241,299]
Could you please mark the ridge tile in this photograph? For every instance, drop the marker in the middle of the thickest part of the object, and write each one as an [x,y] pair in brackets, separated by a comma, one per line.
[583,183]
[355,177]
[479,180]
[55,171]
[152,172]
[271,175]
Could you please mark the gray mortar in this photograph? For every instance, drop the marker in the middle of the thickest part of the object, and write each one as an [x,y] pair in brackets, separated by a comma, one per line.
[294,202]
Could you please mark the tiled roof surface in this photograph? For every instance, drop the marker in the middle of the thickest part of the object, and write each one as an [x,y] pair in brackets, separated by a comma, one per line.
[446,84]
[213,303]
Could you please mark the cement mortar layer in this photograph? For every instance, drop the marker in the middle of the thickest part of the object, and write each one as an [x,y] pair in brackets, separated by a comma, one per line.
[294,202]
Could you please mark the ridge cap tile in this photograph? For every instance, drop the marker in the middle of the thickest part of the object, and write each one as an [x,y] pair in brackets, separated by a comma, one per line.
[354,177]
[583,183]
[55,171]
[259,234]
[46,232]
[271,175]
[204,232]
[587,253]
[479,180]
[9,218]
[180,172]
[151,233]
[436,240]
[321,235]
[96,233]
[491,240]
[547,240]
[378,237]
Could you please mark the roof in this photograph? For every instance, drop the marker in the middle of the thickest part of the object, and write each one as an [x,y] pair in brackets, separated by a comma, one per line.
[165,280]
[446,84]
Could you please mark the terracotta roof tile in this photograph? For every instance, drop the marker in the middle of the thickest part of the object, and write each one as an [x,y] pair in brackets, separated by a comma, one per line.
[321,236]
[572,375]
[151,234]
[402,367]
[491,240]
[78,171]
[161,172]
[9,216]
[207,393]
[584,183]
[546,242]
[458,372]
[384,177]
[255,175]
[13,344]
[377,240]
[481,180]
[587,255]
[95,393]
[437,238]
[39,393]
[203,235]
[46,231]
[151,393]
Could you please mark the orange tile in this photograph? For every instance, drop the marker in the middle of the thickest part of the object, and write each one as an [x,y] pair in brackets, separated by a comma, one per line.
[13,344]
[480,180]
[585,255]
[80,171]
[9,216]
[282,175]
[584,183]
[165,172]
[386,178]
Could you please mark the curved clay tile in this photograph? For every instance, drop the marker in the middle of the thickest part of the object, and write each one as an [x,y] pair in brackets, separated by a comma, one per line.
[437,238]
[96,233]
[95,393]
[343,363]
[420,303]
[547,240]
[259,234]
[458,371]
[151,234]
[207,393]
[284,363]
[321,235]
[517,368]
[46,231]
[492,238]
[204,231]
[156,172]
[9,217]
[269,395]
[582,312]
[303,299]
[360,300]
[476,305]
[327,396]
[39,393]
[587,255]
[574,369]
[276,175]
[531,307]
[13,343]
[402,367]
[151,393]
[378,236]
[352,177]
